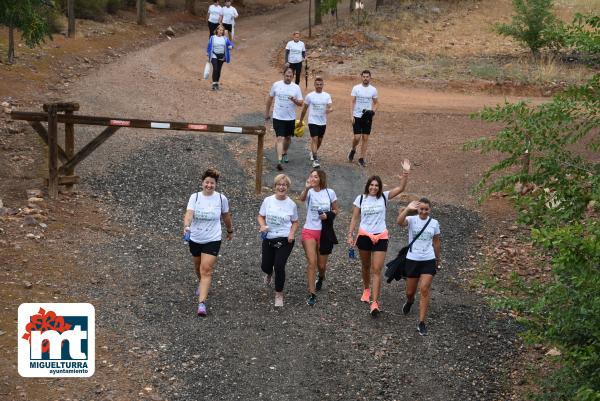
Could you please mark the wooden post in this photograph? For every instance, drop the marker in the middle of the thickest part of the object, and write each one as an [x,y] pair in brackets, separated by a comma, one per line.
[69,146]
[141,12]
[259,162]
[71,17]
[309,20]
[317,12]
[52,152]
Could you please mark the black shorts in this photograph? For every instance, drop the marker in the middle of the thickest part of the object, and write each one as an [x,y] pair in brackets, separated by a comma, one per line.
[364,243]
[317,130]
[210,248]
[212,26]
[414,268]
[284,127]
[228,27]
[362,126]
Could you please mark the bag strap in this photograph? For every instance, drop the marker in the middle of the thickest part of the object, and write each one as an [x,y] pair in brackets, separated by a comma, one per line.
[418,235]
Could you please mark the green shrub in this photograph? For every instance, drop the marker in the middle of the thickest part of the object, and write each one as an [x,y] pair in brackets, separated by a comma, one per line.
[534,25]
[89,9]
[584,34]
[56,20]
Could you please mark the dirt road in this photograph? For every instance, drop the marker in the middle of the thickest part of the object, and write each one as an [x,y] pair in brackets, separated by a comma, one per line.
[156,348]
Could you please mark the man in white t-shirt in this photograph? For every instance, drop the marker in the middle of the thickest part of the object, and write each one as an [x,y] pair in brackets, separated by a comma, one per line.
[229,15]
[215,15]
[287,96]
[318,104]
[364,105]
[295,53]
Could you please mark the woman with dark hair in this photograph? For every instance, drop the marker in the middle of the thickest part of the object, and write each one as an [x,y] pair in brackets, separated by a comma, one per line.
[202,221]
[278,220]
[218,53]
[321,207]
[372,240]
[423,258]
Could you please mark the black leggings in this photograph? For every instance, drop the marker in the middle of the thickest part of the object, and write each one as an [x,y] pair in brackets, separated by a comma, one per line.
[212,26]
[216,67]
[275,253]
[297,67]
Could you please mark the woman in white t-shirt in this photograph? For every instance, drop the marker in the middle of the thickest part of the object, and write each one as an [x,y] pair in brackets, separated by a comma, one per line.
[321,206]
[278,220]
[215,15]
[423,258]
[372,240]
[202,221]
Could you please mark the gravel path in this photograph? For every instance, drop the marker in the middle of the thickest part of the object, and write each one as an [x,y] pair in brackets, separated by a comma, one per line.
[246,349]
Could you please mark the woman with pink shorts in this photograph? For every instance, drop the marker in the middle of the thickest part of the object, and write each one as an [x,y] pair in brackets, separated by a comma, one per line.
[321,205]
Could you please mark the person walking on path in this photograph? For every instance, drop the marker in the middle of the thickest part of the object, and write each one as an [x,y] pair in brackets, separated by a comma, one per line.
[218,53]
[423,257]
[215,15]
[372,240]
[229,14]
[278,220]
[202,221]
[318,103]
[287,96]
[364,106]
[321,207]
[295,53]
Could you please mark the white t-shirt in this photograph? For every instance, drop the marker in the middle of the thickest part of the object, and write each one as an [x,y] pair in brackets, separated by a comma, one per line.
[364,98]
[422,249]
[229,15]
[214,13]
[284,108]
[317,107]
[296,49]
[206,223]
[218,45]
[372,212]
[279,215]
[317,200]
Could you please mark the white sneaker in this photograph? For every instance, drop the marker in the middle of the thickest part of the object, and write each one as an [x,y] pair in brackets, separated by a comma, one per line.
[312,158]
[316,164]
[278,299]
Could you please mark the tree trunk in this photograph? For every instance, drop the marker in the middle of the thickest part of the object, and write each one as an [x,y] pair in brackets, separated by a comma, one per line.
[190,6]
[351,5]
[141,12]
[71,17]
[317,12]
[378,4]
[11,44]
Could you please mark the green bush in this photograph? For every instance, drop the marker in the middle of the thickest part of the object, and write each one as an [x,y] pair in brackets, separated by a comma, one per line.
[561,205]
[534,25]
[56,20]
[584,34]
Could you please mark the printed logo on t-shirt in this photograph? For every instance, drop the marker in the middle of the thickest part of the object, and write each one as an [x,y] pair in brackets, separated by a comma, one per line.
[370,210]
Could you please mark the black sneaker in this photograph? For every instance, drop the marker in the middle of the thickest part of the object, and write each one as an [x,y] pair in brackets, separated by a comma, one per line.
[351,155]
[422,329]
[319,283]
[312,300]
[406,307]
[279,167]
[361,162]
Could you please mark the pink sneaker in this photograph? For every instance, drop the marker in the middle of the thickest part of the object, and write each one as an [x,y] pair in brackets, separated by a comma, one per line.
[366,295]
[374,308]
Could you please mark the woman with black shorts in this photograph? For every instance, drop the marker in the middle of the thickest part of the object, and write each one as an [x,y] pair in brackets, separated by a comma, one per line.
[423,258]
[372,240]
[278,220]
[202,221]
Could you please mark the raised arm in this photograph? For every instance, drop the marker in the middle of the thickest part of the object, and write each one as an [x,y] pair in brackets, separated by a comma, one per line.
[412,206]
[403,180]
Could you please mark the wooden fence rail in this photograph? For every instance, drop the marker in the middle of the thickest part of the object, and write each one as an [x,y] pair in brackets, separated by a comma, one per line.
[63,113]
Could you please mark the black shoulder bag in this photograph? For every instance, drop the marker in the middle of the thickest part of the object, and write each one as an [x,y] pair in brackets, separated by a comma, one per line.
[395,269]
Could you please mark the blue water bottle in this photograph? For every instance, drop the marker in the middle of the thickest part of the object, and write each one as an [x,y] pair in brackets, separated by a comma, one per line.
[186,237]
[351,253]
[263,235]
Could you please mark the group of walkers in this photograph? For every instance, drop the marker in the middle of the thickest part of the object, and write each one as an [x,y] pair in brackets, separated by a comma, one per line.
[278,222]
[221,23]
